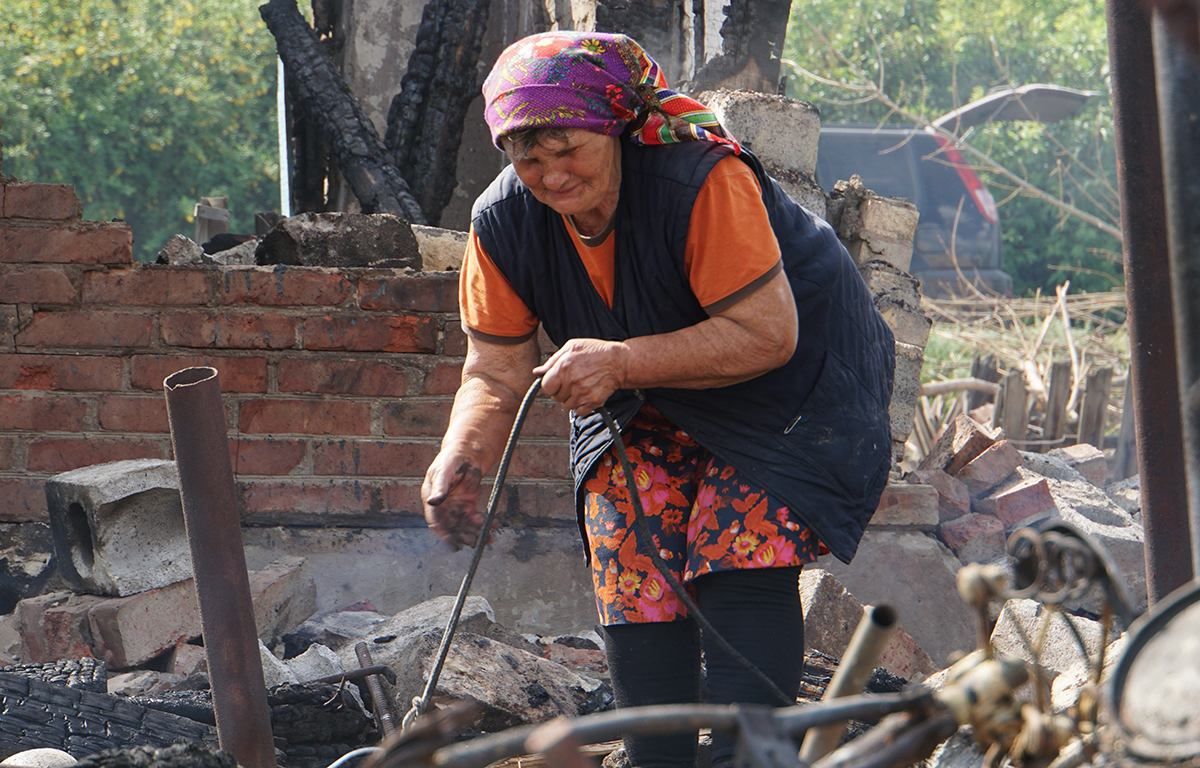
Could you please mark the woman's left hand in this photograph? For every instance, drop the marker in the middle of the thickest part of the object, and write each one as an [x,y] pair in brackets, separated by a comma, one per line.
[583,373]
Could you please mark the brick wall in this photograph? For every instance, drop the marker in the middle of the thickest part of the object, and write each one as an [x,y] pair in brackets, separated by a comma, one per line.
[337,383]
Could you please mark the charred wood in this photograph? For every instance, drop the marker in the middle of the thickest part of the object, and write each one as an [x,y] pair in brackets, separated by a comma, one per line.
[659,25]
[359,152]
[38,714]
[752,46]
[425,120]
[85,674]
[175,756]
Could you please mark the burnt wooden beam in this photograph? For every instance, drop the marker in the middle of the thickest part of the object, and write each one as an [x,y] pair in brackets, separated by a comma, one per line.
[359,152]
[425,120]
[752,47]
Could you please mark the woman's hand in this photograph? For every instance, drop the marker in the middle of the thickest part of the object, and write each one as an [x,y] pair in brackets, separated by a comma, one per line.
[583,373]
[451,498]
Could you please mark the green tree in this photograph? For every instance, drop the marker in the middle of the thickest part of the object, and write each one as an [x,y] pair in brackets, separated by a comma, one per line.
[905,63]
[142,105]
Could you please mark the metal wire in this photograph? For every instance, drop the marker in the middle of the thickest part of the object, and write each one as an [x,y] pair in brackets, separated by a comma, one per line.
[421,703]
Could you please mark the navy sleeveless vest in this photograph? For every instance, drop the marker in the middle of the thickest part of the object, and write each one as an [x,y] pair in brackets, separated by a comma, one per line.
[815,433]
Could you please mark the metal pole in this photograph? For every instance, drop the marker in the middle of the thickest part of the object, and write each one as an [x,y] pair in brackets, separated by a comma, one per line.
[210,514]
[1179,109]
[1154,382]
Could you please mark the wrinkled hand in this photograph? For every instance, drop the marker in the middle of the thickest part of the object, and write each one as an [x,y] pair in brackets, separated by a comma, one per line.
[451,497]
[583,373]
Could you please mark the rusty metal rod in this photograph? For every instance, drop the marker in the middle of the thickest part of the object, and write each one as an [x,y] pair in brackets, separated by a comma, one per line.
[1154,382]
[360,674]
[380,707]
[214,532]
[1178,77]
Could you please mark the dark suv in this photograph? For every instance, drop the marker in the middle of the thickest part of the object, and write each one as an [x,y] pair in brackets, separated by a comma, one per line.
[955,206]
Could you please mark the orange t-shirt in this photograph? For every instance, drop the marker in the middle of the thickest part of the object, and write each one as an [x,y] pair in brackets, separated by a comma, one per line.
[730,250]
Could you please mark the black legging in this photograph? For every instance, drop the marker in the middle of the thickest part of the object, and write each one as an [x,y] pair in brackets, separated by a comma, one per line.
[757,611]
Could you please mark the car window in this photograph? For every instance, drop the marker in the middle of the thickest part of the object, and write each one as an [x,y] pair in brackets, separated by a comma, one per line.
[882,160]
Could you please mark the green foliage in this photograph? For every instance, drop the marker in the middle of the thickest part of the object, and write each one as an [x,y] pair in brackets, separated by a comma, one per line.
[931,56]
[143,105]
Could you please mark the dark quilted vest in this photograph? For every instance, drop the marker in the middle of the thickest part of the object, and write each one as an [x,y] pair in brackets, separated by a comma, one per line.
[815,433]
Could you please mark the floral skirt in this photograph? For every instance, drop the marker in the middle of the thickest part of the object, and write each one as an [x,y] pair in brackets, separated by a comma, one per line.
[702,516]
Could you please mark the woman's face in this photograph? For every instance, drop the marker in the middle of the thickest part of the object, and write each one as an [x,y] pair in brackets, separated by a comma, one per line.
[577,175]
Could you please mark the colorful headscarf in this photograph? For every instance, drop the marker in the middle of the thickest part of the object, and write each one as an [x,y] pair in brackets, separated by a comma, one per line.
[594,81]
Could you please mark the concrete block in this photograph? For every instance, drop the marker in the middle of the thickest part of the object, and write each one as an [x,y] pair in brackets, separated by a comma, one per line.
[974,538]
[55,626]
[914,573]
[782,132]
[898,253]
[802,188]
[128,631]
[317,661]
[831,614]
[887,218]
[1087,460]
[906,388]
[1023,499]
[882,277]
[41,757]
[990,468]
[954,500]
[962,440]
[118,527]
[441,249]
[283,595]
[909,505]
[908,323]
[12,648]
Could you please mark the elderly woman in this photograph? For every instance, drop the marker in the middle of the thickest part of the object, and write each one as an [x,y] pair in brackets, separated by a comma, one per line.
[723,326]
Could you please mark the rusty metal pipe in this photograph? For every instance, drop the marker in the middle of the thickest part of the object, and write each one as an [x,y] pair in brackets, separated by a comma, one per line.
[872,634]
[385,719]
[1154,381]
[1178,77]
[210,514]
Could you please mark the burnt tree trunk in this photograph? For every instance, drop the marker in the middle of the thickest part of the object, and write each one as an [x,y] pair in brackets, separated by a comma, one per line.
[359,152]
[425,120]
[660,26]
[752,45]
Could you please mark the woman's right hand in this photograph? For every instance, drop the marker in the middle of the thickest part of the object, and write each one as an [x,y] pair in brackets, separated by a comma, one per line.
[450,495]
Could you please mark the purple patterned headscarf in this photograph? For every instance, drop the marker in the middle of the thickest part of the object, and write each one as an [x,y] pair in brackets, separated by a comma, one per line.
[594,81]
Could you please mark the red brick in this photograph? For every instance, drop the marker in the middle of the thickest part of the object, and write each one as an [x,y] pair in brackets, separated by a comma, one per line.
[37,285]
[87,328]
[454,341]
[962,440]
[8,328]
[342,377]
[151,286]
[443,378]
[237,374]
[127,631]
[55,626]
[82,243]
[907,504]
[540,460]
[373,458]
[228,331]
[370,333]
[304,417]
[40,201]
[60,372]
[1022,500]
[990,468]
[531,501]
[8,453]
[131,413]
[547,418]
[328,501]
[58,454]
[427,292]
[23,499]
[284,286]
[266,456]
[43,413]
[954,500]
[416,417]
[1087,460]
[974,538]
